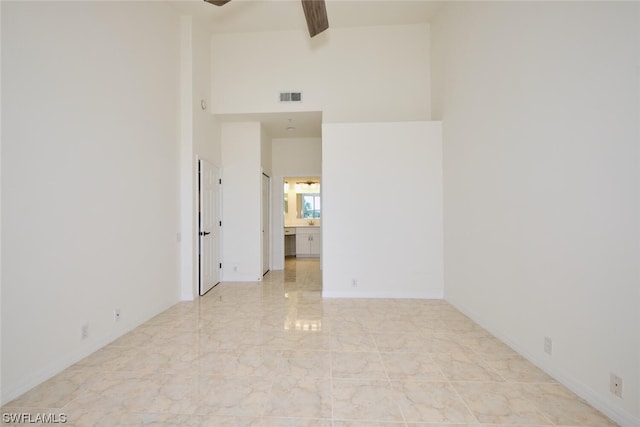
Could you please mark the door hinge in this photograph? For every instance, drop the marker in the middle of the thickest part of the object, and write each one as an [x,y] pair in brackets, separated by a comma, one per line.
[220,181]
[220,265]
[220,223]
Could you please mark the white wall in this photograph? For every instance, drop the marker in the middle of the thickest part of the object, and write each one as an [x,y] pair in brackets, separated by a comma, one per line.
[266,166]
[351,74]
[297,156]
[187,219]
[206,129]
[540,113]
[241,207]
[199,139]
[1,222]
[290,157]
[89,178]
[266,151]
[378,230]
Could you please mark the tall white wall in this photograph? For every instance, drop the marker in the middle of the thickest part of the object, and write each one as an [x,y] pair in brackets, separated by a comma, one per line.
[89,178]
[290,157]
[188,222]
[199,139]
[206,128]
[266,150]
[241,196]
[266,167]
[297,156]
[382,210]
[351,74]
[365,74]
[1,258]
[540,111]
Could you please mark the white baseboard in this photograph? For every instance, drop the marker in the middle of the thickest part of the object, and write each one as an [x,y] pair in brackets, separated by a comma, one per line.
[617,414]
[390,295]
[241,279]
[59,365]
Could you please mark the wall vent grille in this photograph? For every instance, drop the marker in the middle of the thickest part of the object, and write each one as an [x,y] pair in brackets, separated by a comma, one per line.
[290,96]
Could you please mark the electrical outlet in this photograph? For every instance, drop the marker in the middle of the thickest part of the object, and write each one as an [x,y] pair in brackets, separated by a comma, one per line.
[84,332]
[615,384]
[354,283]
[116,314]
[548,346]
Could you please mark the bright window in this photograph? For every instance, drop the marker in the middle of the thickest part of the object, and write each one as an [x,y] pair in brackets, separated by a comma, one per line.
[309,206]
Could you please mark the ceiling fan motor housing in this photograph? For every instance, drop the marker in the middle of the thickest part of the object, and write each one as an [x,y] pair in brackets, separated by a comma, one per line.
[315,12]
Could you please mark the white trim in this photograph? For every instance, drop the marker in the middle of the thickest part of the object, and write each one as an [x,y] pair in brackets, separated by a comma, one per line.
[277,222]
[243,279]
[390,295]
[220,212]
[197,206]
[269,222]
[617,414]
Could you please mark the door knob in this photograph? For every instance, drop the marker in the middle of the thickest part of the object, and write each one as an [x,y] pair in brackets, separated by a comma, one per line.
[204,233]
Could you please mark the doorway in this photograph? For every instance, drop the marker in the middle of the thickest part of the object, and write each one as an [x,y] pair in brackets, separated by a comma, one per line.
[209,226]
[302,217]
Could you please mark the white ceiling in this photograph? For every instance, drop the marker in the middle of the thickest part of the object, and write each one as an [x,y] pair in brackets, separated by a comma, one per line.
[281,15]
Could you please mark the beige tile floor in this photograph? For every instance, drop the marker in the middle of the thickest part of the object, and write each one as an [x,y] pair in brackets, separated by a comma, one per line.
[276,354]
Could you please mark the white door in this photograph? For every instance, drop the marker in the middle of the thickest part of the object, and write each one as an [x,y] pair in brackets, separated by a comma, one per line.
[209,225]
[266,242]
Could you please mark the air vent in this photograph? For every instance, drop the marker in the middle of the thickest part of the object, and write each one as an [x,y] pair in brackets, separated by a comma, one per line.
[290,96]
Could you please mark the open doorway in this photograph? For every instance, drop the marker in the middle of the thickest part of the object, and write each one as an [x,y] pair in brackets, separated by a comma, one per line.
[302,213]
[302,219]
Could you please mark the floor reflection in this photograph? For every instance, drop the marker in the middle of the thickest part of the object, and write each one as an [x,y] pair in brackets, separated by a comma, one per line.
[302,287]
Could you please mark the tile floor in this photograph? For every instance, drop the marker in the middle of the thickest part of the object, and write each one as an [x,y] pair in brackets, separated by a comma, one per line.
[276,354]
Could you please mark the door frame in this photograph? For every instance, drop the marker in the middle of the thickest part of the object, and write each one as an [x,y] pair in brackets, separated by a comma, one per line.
[267,222]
